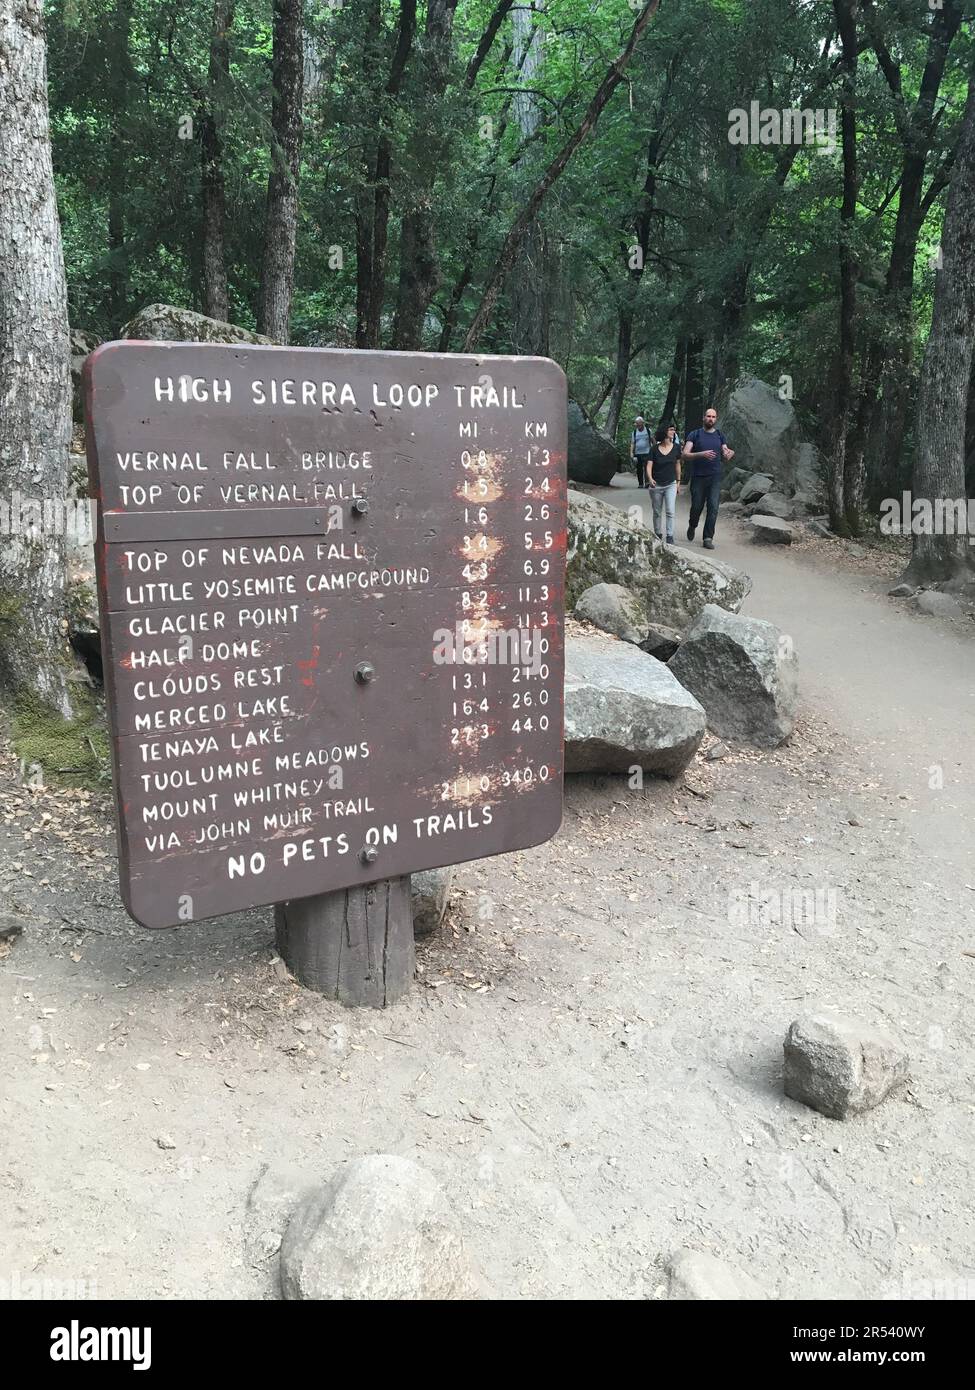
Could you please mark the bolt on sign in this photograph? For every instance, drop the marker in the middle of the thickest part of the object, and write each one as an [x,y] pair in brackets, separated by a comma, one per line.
[331,587]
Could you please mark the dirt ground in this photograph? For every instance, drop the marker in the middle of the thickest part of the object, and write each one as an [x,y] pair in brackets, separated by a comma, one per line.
[589,1063]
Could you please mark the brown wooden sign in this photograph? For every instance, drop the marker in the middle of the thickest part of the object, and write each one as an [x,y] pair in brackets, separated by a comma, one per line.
[331,587]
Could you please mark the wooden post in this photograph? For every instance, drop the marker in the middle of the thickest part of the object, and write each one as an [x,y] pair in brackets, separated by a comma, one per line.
[354,945]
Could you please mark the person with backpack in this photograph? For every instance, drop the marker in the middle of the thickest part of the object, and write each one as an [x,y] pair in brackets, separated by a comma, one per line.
[640,446]
[663,479]
[707,449]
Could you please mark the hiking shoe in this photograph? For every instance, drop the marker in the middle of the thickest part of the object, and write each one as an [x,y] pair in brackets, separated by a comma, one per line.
[670,540]
[708,543]
[690,533]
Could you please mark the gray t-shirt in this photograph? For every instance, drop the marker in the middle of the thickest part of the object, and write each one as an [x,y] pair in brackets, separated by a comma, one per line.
[641,441]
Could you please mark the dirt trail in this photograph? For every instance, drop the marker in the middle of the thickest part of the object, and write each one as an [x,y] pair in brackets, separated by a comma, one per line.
[590,1061]
[900,685]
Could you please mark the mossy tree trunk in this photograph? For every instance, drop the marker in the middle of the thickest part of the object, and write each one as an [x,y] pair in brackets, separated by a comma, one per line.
[35,385]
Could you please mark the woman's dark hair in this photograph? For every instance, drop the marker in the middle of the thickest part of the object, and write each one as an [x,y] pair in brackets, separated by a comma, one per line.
[660,433]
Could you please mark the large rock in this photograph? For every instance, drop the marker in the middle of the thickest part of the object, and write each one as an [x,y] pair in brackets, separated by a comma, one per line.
[615,609]
[762,428]
[840,1066]
[430,893]
[593,457]
[773,504]
[381,1229]
[606,545]
[745,675]
[625,709]
[764,431]
[169,324]
[770,530]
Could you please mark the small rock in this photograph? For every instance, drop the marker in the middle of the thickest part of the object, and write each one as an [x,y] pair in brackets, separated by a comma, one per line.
[840,1066]
[10,928]
[380,1230]
[902,591]
[696,1275]
[819,528]
[937,604]
[165,1141]
[717,751]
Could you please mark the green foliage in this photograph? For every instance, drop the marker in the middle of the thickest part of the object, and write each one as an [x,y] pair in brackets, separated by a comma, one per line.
[119,110]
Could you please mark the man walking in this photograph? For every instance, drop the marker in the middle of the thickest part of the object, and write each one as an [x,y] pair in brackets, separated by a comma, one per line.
[707,450]
[640,446]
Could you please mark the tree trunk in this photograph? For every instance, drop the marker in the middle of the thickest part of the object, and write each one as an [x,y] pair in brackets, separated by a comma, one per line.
[514,239]
[669,413]
[528,285]
[845,482]
[939,469]
[694,385]
[216,299]
[420,274]
[35,386]
[118,186]
[355,946]
[884,407]
[281,222]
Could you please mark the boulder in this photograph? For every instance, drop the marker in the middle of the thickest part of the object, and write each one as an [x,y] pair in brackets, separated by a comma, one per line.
[819,528]
[606,545]
[762,428]
[743,673]
[840,1066]
[625,709]
[661,641]
[754,488]
[769,530]
[593,456]
[773,504]
[616,610]
[380,1230]
[169,324]
[694,1274]
[430,893]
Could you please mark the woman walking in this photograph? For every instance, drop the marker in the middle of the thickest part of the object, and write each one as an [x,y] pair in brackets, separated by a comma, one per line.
[663,479]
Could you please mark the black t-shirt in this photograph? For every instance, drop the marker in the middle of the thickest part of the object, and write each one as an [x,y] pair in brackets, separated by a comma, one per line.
[664,466]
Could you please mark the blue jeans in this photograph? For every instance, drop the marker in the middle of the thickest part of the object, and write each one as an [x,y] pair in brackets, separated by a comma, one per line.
[659,496]
[705,492]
